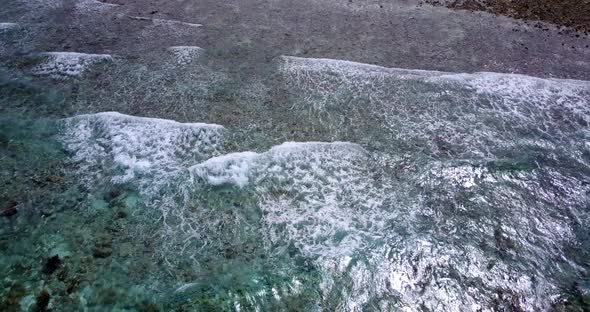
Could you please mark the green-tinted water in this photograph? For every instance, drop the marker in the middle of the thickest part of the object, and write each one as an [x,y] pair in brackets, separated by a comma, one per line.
[405,190]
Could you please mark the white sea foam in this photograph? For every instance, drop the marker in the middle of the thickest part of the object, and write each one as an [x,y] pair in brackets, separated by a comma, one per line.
[125,147]
[359,230]
[165,22]
[43,4]
[298,64]
[94,6]
[185,54]
[465,115]
[237,168]
[433,275]
[300,182]
[67,64]
[515,87]
[149,156]
[427,259]
[7,26]
[402,232]
[227,169]
[466,176]
[325,198]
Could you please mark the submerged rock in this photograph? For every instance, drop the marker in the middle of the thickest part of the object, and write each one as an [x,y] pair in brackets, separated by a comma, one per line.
[102,251]
[42,301]
[103,247]
[52,264]
[11,300]
[10,209]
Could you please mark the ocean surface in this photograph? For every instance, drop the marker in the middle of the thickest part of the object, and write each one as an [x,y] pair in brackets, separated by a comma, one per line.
[174,184]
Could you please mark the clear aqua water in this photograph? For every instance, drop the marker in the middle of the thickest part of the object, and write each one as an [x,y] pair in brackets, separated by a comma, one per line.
[317,185]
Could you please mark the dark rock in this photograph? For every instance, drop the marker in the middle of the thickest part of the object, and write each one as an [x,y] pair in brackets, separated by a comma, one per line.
[72,286]
[113,194]
[569,13]
[62,275]
[10,209]
[39,181]
[11,300]
[148,307]
[103,247]
[504,243]
[52,264]
[42,301]
[4,140]
[121,214]
[55,179]
[102,252]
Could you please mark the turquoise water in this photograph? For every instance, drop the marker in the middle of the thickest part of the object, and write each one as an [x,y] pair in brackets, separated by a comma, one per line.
[317,185]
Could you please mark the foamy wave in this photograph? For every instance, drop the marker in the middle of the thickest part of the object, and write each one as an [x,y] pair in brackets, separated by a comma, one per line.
[227,169]
[43,4]
[94,6]
[329,201]
[165,22]
[68,64]
[457,115]
[8,26]
[437,219]
[126,147]
[298,182]
[185,54]
[238,168]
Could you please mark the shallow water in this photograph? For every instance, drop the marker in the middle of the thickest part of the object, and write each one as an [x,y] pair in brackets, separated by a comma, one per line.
[179,183]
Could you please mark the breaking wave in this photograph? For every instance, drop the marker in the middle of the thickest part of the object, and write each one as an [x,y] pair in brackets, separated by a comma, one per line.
[470,192]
